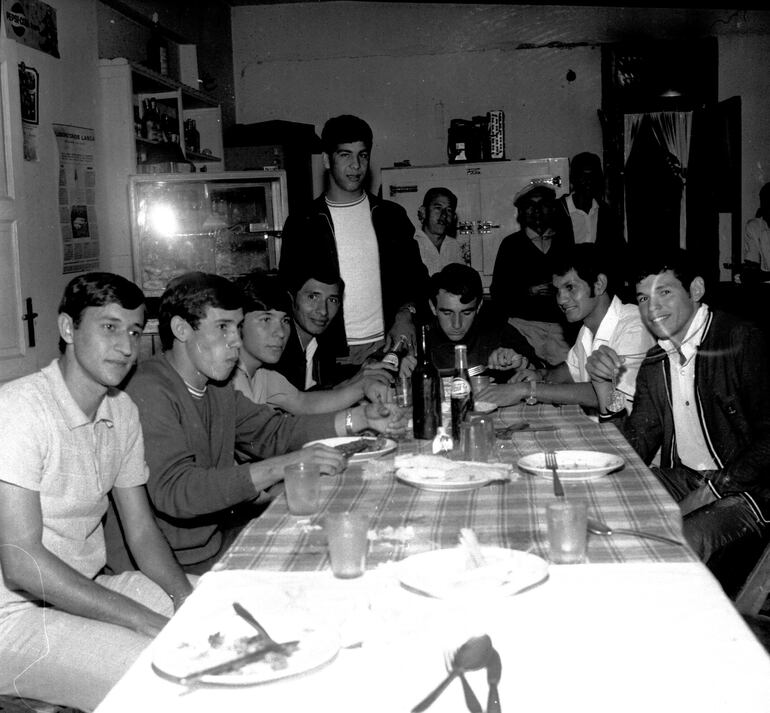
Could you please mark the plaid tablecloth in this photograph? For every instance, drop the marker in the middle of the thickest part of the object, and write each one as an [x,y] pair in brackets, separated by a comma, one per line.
[406,520]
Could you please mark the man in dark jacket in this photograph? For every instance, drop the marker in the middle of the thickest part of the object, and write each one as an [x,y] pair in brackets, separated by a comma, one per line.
[366,240]
[703,400]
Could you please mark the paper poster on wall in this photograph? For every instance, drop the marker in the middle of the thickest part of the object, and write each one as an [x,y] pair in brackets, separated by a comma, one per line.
[77,198]
[32,23]
[29,93]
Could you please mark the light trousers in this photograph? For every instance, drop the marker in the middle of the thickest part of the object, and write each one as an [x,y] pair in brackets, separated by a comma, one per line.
[60,658]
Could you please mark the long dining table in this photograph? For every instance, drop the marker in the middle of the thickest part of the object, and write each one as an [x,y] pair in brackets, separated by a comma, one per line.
[633,628]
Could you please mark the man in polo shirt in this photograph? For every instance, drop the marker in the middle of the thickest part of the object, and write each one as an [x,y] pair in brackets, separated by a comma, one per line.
[584,294]
[68,437]
[703,403]
[436,236]
[366,240]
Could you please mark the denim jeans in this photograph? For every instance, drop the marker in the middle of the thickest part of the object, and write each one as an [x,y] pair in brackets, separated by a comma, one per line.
[725,533]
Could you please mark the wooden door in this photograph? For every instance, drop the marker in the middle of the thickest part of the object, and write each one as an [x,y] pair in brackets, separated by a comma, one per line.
[17,353]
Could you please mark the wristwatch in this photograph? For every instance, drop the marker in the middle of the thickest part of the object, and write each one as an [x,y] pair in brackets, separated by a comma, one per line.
[531,400]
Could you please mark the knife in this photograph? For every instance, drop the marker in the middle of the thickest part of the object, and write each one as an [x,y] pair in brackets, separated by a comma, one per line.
[239,662]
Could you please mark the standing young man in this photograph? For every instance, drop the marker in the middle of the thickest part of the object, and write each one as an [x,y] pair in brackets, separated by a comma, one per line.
[703,401]
[68,437]
[584,294]
[366,240]
[195,423]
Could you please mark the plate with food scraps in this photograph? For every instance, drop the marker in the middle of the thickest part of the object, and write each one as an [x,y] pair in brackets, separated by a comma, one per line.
[220,636]
[442,475]
[451,572]
[359,448]
[573,465]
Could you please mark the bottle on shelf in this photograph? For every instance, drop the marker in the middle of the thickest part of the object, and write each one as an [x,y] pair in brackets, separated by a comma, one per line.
[392,358]
[169,128]
[426,391]
[461,393]
[192,139]
[157,49]
[151,129]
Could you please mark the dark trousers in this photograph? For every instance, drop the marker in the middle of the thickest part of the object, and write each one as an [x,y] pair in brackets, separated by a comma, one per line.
[725,533]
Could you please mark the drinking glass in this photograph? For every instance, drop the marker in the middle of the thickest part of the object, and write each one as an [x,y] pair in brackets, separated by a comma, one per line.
[474,441]
[567,529]
[346,533]
[404,391]
[488,424]
[303,487]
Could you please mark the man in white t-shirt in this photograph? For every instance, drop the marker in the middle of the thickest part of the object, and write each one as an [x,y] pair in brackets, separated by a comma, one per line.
[435,237]
[367,240]
[584,293]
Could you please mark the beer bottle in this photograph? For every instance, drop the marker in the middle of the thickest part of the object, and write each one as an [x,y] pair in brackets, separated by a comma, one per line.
[426,391]
[461,393]
[396,353]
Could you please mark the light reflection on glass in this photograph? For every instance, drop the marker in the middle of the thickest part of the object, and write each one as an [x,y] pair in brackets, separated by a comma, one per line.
[162,220]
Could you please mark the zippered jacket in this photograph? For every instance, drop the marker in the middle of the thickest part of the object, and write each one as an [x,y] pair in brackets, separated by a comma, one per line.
[732,389]
[308,239]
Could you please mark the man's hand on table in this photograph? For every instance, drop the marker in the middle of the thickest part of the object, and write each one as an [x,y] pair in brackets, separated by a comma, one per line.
[269,471]
[383,417]
[504,394]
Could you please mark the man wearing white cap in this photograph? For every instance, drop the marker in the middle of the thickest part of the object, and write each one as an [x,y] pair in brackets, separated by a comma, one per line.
[522,283]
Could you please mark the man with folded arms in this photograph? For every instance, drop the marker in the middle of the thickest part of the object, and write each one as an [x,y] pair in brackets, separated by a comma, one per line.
[703,402]
[194,423]
[68,437]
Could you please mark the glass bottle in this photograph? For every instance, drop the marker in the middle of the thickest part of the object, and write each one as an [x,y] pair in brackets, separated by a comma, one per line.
[426,391]
[396,353]
[461,393]
[157,49]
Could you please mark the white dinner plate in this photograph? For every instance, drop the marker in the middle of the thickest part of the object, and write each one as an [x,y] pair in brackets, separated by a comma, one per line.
[389,447]
[455,476]
[192,650]
[450,573]
[573,465]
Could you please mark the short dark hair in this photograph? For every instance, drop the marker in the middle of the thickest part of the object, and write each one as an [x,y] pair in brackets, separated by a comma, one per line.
[345,129]
[678,260]
[314,270]
[457,279]
[264,291]
[585,160]
[96,289]
[189,296]
[432,193]
[588,261]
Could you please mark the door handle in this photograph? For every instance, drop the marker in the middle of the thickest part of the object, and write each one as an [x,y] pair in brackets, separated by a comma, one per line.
[29,316]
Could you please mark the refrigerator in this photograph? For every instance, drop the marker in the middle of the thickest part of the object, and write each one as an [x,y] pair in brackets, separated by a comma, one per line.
[224,223]
[485,191]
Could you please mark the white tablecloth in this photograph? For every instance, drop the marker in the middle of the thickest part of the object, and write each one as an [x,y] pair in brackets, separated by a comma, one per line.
[604,637]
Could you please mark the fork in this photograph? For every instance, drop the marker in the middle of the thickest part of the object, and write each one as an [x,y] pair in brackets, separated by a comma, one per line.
[550,462]
[476,370]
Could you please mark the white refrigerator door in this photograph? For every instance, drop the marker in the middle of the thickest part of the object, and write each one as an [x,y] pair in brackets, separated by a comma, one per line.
[485,194]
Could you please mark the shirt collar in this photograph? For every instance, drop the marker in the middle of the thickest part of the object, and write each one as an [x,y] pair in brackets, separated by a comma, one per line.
[72,413]
[609,321]
[572,208]
[692,339]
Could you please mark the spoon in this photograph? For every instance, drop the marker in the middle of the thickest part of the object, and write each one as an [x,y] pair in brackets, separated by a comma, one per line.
[471,656]
[597,527]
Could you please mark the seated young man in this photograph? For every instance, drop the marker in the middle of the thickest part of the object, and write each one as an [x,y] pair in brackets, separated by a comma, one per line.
[703,402]
[68,437]
[584,293]
[457,303]
[264,334]
[194,422]
[308,360]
